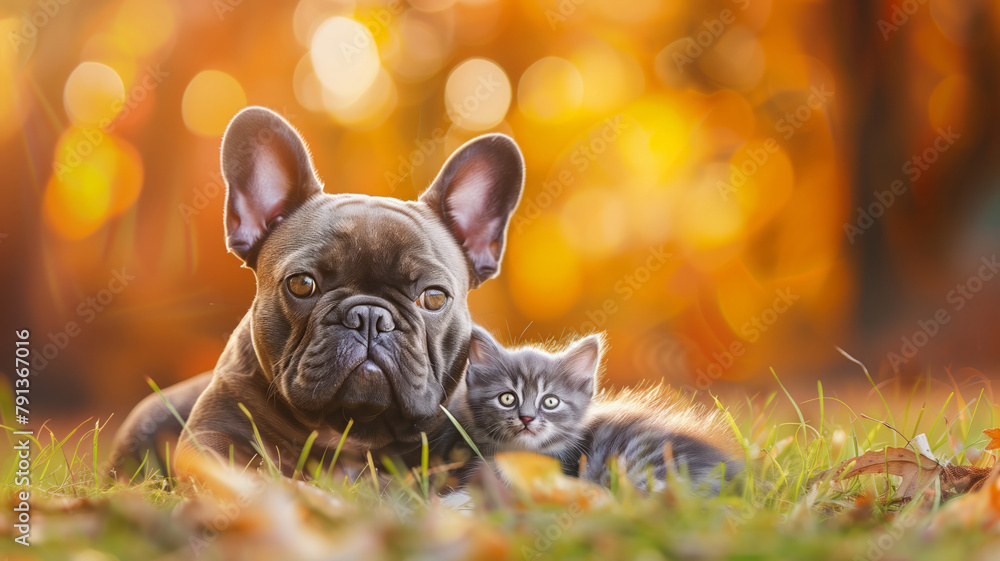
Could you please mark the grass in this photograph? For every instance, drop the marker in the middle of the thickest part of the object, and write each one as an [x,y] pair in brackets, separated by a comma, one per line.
[787,507]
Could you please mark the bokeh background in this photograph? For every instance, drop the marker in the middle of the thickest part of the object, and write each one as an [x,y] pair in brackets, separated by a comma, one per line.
[695,174]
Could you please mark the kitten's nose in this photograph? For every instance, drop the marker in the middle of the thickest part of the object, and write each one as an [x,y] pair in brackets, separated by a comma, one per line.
[526,420]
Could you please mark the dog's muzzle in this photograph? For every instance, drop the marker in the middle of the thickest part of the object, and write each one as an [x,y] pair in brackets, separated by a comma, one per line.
[366,392]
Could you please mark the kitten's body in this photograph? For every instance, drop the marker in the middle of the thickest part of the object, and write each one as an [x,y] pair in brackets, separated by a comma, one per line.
[640,429]
[643,429]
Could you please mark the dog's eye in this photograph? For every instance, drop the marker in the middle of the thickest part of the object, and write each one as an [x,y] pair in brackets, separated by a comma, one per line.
[550,402]
[432,299]
[301,285]
[507,399]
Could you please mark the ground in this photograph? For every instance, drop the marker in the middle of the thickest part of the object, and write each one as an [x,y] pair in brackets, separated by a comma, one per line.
[787,506]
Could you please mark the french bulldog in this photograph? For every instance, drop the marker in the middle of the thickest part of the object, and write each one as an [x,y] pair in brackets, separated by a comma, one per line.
[360,314]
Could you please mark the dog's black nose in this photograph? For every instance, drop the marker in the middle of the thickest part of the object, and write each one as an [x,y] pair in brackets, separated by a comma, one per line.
[369,320]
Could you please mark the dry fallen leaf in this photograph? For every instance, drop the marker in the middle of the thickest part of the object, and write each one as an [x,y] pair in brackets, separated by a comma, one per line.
[977,509]
[963,479]
[243,515]
[540,480]
[917,472]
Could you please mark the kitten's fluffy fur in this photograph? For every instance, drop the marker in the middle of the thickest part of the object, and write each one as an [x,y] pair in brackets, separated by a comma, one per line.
[503,407]
[642,428]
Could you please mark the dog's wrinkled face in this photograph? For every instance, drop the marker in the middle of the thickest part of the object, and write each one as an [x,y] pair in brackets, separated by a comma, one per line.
[360,324]
[361,306]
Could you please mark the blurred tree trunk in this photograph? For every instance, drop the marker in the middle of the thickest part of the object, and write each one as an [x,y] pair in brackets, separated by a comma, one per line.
[882,132]
[875,140]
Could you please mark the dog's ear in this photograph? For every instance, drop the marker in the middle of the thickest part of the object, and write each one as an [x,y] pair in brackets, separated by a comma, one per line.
[476,194]
[268,174]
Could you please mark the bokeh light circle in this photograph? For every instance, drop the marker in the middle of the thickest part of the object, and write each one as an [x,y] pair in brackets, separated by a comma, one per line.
[306,86]
[735,60]
[93,94]
[611,77]
[421,50]
[309,14]
[210,101]
[477,94]
[709,221]
[144,25]
[345,58]
[97,176]
[368,110]
[550,90]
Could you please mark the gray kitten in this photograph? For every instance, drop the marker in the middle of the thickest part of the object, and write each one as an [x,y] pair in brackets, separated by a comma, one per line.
[530,400]
[526,399]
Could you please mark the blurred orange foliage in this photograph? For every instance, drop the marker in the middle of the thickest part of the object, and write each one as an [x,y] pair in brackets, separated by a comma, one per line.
[710,182]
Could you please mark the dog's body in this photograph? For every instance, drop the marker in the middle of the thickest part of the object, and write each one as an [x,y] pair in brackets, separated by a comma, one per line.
[360,311]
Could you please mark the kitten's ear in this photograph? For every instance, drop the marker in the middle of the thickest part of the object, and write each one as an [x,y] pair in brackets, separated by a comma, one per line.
[475,195]
[483,351]
[268,175]
[583,359]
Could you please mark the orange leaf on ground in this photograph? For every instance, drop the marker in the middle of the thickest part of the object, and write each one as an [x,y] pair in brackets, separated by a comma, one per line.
[540,480]
[994,435]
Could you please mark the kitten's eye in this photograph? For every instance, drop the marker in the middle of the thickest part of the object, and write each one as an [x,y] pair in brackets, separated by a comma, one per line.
[507,399]
[432,299]
[301,285]
[550,402]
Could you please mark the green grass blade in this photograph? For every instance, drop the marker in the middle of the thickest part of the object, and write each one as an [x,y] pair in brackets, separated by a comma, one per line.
[259,442]
[167,460]
[424,462]
[173,411]
[145,458]
[888,410]
[402,480]
[340,445]
[465,435]
[319,467]
[802,420]
[305,453]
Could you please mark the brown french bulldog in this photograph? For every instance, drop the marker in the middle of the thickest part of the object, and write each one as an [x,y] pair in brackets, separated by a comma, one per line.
[360,310]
